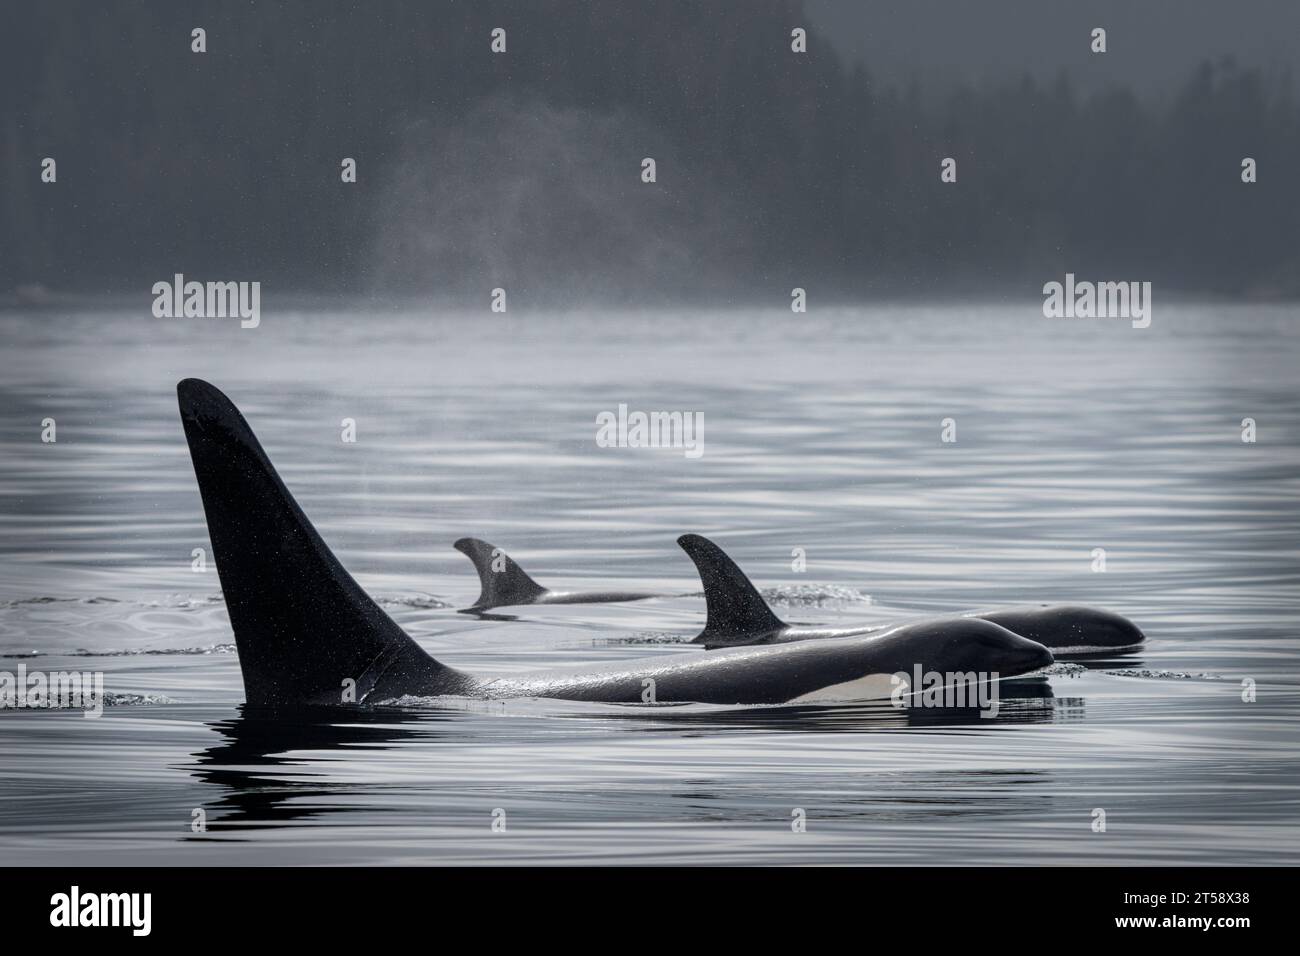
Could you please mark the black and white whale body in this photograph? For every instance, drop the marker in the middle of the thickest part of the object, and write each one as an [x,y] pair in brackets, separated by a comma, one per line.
[503,583]
[738,615]
[307,633]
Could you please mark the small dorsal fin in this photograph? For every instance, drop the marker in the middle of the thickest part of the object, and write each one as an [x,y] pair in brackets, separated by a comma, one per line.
[737,613]
[502,582]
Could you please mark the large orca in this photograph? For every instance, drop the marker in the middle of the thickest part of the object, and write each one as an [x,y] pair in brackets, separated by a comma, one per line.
[738,616]
[503,583]
[307,634]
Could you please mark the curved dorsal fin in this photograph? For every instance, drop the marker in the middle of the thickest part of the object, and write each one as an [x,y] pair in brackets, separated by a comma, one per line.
[302,625]
[502,582]
[737,613]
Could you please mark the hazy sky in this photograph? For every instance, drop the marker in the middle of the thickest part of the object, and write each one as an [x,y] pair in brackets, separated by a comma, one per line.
[479,172]
[1152,44]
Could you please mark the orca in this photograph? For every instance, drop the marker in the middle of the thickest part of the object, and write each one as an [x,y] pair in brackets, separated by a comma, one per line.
[738,616]
[308,635]
[503,583]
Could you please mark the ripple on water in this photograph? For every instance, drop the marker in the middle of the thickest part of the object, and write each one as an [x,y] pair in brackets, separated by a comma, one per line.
[1072,437]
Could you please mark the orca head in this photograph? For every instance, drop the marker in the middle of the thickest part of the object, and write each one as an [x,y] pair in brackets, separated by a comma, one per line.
[1070,628]
[973,644]
[1100,628]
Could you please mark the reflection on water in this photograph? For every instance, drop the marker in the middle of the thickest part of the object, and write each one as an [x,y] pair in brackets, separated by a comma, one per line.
[822,436]
[258,750]
[261,762]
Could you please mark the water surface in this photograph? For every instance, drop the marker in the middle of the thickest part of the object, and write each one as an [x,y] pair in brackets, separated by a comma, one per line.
[822,434]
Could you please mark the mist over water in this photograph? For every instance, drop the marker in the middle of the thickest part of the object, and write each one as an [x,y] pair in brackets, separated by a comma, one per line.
[823,433]
[461,214]
[775,169]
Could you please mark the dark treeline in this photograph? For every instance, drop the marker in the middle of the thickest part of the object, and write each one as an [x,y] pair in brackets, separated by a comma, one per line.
[523,169]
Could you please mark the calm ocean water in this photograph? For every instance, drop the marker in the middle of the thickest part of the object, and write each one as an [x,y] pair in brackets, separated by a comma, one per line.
[822,433]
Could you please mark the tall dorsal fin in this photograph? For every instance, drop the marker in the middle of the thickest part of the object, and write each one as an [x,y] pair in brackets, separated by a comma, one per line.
[302,625]
[502,582]
[737,613]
